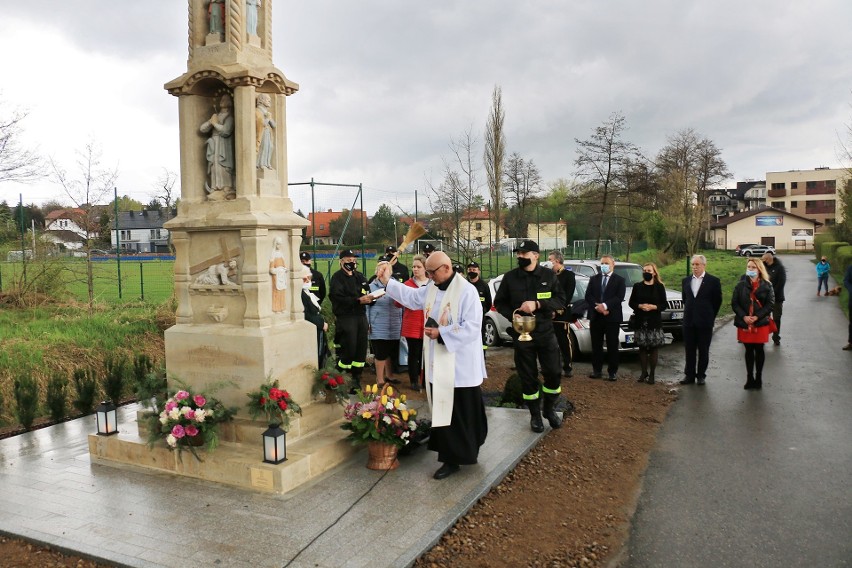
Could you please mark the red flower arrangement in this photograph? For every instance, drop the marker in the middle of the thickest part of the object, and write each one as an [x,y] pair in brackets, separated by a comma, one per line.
[332,383]
[275,403]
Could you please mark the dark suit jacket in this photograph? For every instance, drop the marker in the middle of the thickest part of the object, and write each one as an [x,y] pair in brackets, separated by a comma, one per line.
[613,297]
[700,310]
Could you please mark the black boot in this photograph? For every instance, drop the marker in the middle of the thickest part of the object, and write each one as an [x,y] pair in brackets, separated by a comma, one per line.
[356,383]
[750,383]
[552,416]
[650,380]
[536,425]
[758,382]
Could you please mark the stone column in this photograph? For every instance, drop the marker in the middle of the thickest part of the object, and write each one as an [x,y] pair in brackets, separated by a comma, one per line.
[245,147]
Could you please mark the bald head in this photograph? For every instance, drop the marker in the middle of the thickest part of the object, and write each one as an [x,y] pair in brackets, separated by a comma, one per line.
[768,258]
[439,266]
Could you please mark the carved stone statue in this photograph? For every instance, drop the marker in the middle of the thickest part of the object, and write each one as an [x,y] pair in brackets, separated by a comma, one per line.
[280,274]
[218,274]
[264,124]
[216,15]
[220,152]
[251,16]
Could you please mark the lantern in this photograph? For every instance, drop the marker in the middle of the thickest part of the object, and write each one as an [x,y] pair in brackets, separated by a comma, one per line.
[107,418]
[274,444]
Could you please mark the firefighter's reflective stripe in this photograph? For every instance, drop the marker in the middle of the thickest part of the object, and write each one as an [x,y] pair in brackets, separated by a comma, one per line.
[543,295]
[343,365]
[546,390]
[357,364]
[533,396]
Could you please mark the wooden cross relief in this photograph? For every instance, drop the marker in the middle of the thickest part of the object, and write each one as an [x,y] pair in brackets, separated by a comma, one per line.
[226,255]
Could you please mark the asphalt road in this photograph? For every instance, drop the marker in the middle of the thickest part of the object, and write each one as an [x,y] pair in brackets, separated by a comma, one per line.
[757,478]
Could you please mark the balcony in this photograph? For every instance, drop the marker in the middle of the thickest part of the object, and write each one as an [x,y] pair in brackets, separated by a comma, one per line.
[820,190]
[777,193]
[818,209]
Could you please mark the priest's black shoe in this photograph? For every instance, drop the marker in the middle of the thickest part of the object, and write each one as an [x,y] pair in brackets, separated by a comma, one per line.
[687,381]
[446,470]
[596,375]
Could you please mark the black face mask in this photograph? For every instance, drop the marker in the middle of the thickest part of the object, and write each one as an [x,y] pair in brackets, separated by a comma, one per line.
[647,276]
[472,275]
[524,262]
[350,266]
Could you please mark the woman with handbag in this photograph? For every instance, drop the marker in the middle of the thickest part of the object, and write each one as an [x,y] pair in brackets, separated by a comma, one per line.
[648,300]
[752,303]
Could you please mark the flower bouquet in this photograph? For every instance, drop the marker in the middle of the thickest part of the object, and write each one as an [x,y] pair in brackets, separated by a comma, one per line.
[276,404]
[332,384]
[379,416]
[189,420]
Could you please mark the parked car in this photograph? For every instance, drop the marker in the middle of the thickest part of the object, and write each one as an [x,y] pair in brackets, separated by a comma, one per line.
[496,326]
[672,316]
[739,250]
[756,250]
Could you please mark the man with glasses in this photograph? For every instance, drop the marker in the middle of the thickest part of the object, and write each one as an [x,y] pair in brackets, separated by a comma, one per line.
[531,289]
[604,296]
[454,365]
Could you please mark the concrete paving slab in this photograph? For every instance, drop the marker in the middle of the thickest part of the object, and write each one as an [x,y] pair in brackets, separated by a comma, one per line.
[50,492]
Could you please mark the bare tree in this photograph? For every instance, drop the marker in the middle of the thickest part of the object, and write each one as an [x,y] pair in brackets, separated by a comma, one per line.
[601,162]
[17,164]
[689,167]
[522,182]
[495,154]
[458,193]
[86,190]
[166,187]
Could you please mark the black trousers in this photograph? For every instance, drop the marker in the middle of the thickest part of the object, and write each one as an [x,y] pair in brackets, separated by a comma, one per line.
[601,329]
[543,350]
[696,339]
[777,311]
[352,354]
[563,339]
[415,359]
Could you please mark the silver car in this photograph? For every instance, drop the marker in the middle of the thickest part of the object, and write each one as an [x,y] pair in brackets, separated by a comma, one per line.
[496,326]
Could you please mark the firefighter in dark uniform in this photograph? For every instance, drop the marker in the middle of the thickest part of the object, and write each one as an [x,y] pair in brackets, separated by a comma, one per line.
[349,294]
[317,281]
[427,249]
[400,271]
[532,289]
[568,282]
[474,276]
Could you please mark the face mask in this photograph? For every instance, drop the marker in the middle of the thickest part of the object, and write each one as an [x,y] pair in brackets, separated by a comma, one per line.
[822,261]
[647,276]
[605,268]
[350,266]
[751,273]
[524,262]
[472,275]
[306,286]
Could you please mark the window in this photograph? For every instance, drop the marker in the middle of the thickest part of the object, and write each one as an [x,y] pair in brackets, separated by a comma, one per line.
[831,184]
[125,235]
[155,235]
[829,221]
[794,204]
[322,226]
[810,185]
[479,226]
[794,185]
[778,185]
[777,204]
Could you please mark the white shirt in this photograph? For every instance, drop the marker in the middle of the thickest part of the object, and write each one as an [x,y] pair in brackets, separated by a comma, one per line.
[696,283]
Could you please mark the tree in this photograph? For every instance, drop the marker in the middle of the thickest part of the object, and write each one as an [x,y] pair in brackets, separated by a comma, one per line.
[166,188]
[522,182]
[348,226]
[91,186]
[383,226]
[495,155]
[458,193]
[689,167]
[17,163]
[601,162]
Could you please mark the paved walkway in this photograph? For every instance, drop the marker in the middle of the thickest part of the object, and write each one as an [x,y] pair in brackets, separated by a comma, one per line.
[51,493]
[757,478]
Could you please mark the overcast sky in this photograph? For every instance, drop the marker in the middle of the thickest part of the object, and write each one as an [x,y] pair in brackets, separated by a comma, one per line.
[385,84]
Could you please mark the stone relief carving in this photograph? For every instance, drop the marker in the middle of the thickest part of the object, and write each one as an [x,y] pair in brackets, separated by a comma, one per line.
[217,313]
[220,151]
[218,274]
[264,125]
[280,274]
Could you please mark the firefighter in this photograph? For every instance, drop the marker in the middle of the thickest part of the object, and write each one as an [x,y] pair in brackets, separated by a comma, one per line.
[349,294]
[474,276]
[532,289]
[317,281]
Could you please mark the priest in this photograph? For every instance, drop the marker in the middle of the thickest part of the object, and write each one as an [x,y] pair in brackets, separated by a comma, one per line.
[453,362]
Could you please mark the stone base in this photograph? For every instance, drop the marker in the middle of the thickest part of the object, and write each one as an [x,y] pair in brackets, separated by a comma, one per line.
[315,444]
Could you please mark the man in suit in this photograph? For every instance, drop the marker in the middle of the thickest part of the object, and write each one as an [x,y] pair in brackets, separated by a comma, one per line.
[604,296]
[702,298]
[778,277]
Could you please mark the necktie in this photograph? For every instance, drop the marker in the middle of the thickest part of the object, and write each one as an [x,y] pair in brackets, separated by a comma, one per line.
[603,286]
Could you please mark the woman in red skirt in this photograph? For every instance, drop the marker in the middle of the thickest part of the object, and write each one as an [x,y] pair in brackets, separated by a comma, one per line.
[752,303]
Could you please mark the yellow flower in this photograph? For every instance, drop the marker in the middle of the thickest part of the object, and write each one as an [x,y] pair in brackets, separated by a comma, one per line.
[405,415]
[384,399]
[413,412]
[366,415]
[402,398]
[390,391]
[396,404]
[375,389]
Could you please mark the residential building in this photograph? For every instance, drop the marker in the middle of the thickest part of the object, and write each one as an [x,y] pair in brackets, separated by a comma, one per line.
[319,230]
[142,231]
[477,225]
[809,193]
[768,226]
[550,235]
[73,220]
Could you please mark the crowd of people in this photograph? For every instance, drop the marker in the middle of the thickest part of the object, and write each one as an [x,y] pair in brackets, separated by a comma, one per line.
[435,313]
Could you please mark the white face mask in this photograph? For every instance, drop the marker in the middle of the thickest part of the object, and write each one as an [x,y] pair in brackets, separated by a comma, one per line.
[306,286]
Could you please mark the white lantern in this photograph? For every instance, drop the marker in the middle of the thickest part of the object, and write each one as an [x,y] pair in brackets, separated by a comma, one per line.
[274,444]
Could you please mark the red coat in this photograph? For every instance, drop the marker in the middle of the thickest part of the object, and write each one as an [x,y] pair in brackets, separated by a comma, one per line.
[412,320]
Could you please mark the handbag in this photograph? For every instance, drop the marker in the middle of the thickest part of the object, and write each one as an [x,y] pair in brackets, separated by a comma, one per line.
[633,322]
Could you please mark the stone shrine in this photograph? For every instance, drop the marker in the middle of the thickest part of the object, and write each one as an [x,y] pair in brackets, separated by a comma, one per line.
[239,311]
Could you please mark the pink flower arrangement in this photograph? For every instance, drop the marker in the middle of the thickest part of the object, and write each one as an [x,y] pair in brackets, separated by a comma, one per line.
[189,420]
